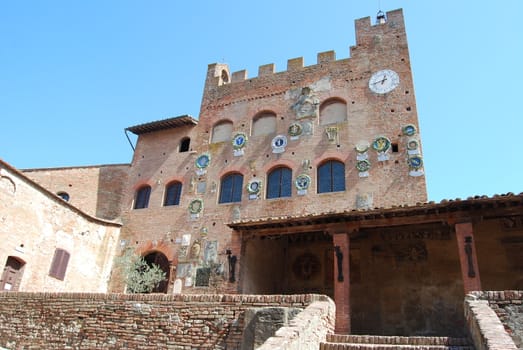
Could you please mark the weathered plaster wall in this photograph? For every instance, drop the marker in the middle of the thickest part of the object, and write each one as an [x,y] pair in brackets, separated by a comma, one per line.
[403,279]
[146,321]
[34,222]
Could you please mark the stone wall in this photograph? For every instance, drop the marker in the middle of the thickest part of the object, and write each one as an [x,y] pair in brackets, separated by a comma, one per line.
[306,331]
[144,321]
[495,319]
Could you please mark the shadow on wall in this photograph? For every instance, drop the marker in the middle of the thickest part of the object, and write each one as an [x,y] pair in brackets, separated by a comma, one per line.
[111,190]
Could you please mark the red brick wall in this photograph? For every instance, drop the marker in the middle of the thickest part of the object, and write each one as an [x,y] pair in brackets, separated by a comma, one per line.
[157,161]
[116,321]
[96,190]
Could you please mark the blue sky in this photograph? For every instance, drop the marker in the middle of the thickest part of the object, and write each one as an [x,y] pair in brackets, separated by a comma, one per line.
[75,74]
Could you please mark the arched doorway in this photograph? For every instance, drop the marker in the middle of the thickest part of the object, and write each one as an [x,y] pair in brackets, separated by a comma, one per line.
[12,275]
[160,260]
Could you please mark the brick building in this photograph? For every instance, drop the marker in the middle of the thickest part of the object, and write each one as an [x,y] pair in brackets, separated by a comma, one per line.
[308,180]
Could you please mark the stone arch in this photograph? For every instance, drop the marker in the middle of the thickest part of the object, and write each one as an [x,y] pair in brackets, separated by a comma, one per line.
[331,155]
[264,123]
[332,111]
[158,258]
[222,131]
[8,184]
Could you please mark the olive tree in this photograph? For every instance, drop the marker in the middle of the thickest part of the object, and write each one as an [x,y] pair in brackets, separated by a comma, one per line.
[139,276]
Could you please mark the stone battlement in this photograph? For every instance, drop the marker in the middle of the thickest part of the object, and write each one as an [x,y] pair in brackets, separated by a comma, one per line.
[219,73]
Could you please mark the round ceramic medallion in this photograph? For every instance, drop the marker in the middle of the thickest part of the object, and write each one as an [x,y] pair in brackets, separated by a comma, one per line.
[415,162]
[279,141]
[196,206]
[363,165]
[381,144]
[409,130]
[302,181]
[362,147]
[254,186]
[412,145]
[239,140]
[295,129]
[203,161]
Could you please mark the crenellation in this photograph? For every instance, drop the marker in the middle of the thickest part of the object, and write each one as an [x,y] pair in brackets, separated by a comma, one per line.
[367,35]
[239,76]
[327,56]
[294,64]
[217,74]
[266,69]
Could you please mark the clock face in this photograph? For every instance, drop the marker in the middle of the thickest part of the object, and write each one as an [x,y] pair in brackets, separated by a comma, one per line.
[384,81]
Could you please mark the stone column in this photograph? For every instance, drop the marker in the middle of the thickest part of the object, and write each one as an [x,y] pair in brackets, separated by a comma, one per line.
[341,243]
[468,257]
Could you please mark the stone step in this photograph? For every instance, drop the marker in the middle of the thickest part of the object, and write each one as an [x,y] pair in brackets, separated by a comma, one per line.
[397,340]
[349,346]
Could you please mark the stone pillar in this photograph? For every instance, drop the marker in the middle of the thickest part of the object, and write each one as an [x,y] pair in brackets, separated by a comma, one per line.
[468,257]
[342,282]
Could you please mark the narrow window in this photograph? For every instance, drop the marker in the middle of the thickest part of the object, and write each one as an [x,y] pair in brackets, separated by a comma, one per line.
[59,264]
[184,144]
[172,193]
[142,197]
[64,196]
[231,188]
[331,177]
[279,183]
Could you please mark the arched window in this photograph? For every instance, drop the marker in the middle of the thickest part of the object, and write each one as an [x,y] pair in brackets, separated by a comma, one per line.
[172,193]
[222,131]
[333,111]
[264,124]
[64,196]
[331,177]
[59,264]
[231,188]
[184,144]
[142,197]
[279,183]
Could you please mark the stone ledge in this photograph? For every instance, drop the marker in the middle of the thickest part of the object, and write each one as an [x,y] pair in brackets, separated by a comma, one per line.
[185,298]
[486,329]
[307,330]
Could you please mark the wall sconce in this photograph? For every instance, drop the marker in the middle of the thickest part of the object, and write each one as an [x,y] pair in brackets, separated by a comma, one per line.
[231,259]
[339,260]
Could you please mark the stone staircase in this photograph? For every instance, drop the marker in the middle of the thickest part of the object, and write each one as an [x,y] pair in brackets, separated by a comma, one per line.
[374,342]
